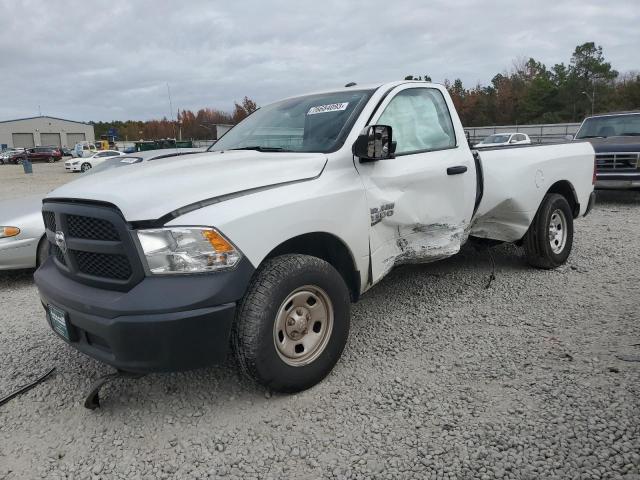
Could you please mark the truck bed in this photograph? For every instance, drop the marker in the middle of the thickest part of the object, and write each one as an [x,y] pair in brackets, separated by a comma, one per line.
[517,178]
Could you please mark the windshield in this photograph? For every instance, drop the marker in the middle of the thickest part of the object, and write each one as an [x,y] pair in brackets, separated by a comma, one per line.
[610,126]
[313,123]
[496,139]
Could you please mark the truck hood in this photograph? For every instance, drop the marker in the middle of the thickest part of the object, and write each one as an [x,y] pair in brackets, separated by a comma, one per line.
[150,190]
[616,144]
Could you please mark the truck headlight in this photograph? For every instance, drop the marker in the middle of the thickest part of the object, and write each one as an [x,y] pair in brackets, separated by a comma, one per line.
[187,250]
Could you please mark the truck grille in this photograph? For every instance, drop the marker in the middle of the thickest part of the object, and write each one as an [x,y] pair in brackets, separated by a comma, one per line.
[49,221]
[91,228]
[101,265]
[617,162]
[99,248]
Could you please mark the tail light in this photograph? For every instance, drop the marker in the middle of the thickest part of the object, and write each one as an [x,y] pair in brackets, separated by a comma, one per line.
[593,179]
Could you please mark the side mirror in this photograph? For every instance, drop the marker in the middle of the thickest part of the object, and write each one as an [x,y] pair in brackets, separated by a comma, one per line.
[374,143]
[513,140]
[568,138]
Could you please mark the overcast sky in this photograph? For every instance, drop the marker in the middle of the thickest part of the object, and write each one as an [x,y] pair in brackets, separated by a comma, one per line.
[106,60]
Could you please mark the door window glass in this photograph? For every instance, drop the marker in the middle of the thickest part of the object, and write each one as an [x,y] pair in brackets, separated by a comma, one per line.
[420,121]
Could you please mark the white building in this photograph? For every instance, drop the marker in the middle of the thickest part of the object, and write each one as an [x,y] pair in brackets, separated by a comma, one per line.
[44,131]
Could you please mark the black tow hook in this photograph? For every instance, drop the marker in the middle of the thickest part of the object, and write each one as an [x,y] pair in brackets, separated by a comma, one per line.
[92,399]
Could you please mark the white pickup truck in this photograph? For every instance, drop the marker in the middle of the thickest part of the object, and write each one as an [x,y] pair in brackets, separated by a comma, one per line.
[263,242]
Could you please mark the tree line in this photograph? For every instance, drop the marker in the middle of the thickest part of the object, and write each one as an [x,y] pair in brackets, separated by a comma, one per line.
[189,125]
[532,93]
[529,93]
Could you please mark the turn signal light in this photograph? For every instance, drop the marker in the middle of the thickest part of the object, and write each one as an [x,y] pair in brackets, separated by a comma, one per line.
[217,241]
[9,231]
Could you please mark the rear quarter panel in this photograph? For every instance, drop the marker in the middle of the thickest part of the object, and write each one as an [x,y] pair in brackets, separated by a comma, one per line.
[517,179]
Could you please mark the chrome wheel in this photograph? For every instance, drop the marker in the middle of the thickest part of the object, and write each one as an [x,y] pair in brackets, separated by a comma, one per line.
[557,231]
[303,325]
[85,166]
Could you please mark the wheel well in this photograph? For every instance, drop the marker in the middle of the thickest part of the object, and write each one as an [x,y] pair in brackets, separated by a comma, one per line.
[564,188]
[329,248]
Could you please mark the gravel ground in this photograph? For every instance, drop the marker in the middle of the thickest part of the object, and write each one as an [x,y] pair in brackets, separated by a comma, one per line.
[442,378]
[45,177]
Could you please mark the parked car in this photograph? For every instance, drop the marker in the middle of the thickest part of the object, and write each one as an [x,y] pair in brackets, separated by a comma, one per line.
[502,139]
[38,154]
[22,240]
[146,156]
[86,163]
[66,152]
[616,140]
[263,242]
[6,156]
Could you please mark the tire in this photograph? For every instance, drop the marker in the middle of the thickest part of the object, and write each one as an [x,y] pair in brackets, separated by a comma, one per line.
[85,166]
[543,251]
[282,288]
[43,251]
[51,160]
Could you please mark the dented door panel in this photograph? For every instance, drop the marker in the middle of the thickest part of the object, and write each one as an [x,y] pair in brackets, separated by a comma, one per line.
[418,213]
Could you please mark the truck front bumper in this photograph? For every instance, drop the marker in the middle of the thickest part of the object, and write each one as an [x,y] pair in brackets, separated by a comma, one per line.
[164,323]
[622,181]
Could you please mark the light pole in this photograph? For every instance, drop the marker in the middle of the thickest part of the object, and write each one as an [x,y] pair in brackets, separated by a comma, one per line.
[592,97]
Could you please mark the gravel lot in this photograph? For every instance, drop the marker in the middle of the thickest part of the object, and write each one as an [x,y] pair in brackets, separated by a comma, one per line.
[441,378]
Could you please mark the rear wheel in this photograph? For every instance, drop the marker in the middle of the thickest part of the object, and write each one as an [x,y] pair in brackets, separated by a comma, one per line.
[292,324]
[549,240]
[51,160]
[85,166]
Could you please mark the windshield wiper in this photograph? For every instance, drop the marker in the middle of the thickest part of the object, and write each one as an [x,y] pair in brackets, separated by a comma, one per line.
[262,149]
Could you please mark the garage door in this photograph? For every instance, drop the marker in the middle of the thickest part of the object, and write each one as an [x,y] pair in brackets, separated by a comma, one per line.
[23,140]
[73,138]
[50,140]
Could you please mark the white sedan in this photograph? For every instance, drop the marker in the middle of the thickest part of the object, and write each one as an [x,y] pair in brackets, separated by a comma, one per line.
[502,139]
[87,163]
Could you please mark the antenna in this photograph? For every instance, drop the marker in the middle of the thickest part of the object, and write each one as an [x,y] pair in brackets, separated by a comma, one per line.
[39,111]
[171,115]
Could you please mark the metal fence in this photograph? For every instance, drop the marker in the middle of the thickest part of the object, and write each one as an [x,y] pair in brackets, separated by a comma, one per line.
[548,133]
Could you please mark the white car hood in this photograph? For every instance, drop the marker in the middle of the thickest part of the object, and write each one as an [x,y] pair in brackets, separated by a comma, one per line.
[150,190]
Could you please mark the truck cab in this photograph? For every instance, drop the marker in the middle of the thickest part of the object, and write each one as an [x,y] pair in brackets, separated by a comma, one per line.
[616,140]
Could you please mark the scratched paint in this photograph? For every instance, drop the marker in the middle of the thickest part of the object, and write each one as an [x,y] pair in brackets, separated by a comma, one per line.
[420,243]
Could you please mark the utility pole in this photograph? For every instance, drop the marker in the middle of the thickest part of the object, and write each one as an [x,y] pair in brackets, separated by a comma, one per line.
[592,97]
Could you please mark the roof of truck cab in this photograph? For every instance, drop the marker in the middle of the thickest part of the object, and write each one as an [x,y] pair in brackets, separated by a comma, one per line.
[358,87]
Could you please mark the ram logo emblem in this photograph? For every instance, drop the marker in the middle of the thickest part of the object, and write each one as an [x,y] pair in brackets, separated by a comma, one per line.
[61,242]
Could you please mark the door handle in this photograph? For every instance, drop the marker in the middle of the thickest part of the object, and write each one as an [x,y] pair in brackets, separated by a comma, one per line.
[457,170]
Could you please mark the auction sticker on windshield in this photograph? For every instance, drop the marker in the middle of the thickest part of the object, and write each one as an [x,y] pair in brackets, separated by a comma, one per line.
[332,107]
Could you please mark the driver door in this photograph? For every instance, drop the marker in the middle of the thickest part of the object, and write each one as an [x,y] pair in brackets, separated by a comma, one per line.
[421,201]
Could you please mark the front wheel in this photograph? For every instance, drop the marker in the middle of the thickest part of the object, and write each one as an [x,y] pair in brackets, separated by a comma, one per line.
[548,241]
[51,160]
[85,166]
[292,324]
